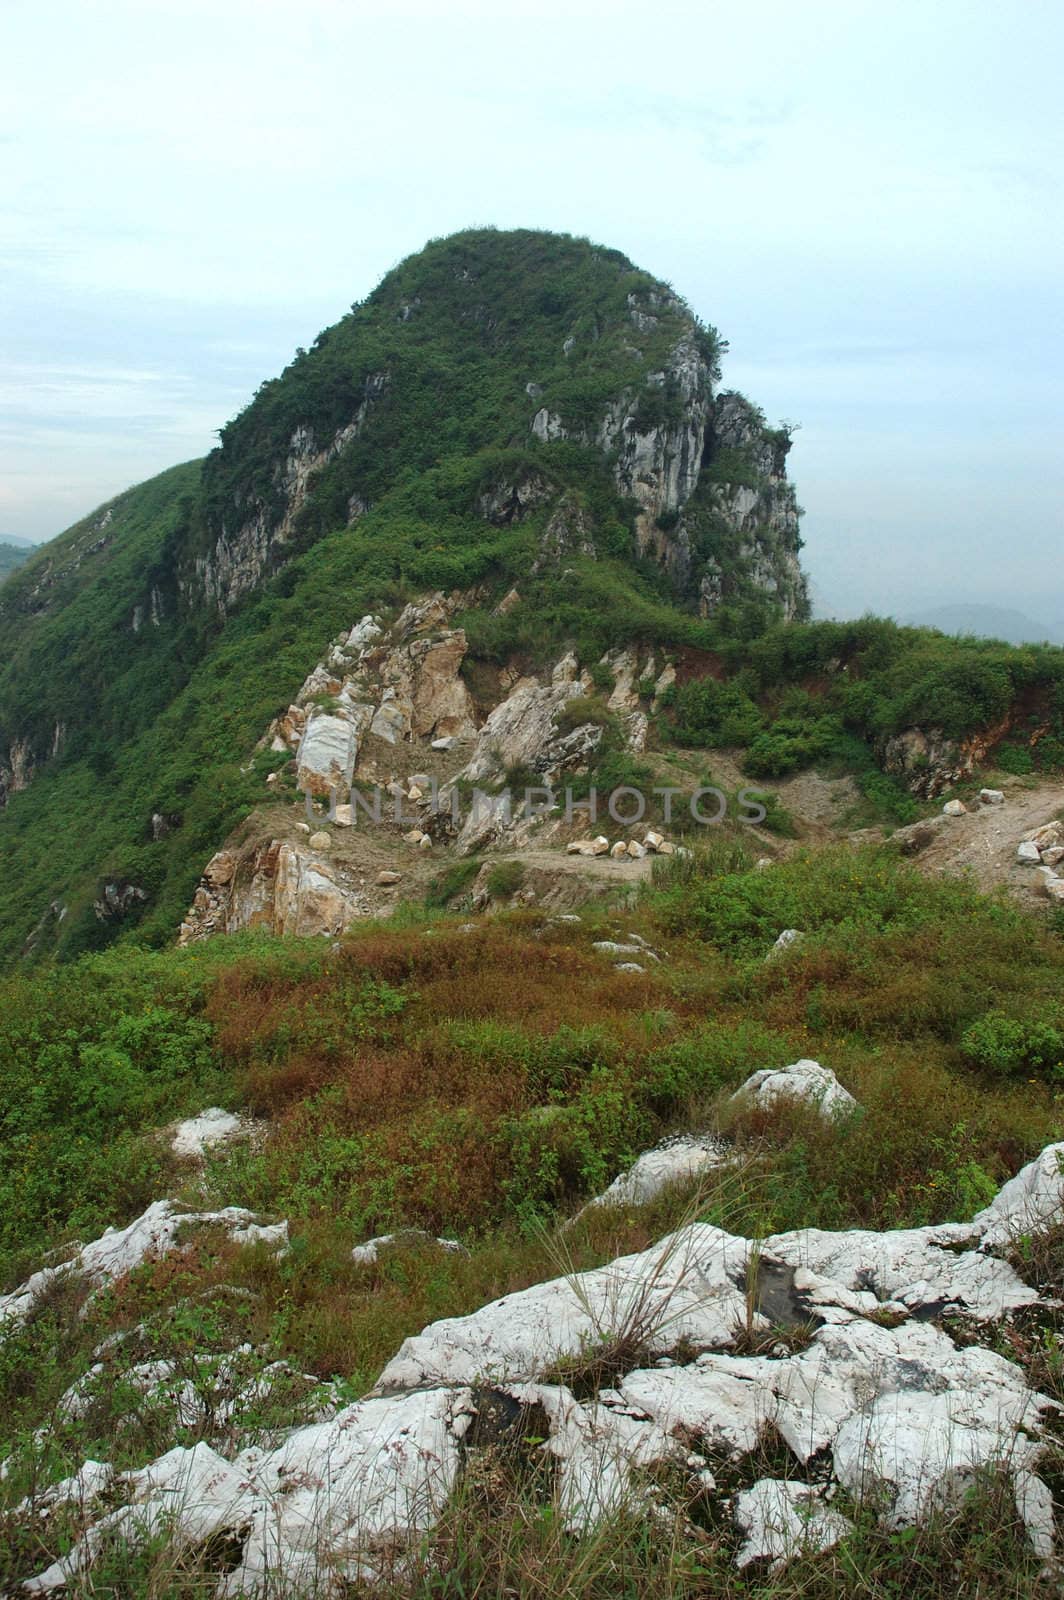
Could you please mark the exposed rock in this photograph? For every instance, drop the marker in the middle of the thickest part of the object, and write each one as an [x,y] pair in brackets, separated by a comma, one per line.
[119,1251]
[610,947]
[366,1254]
[1054,855]
[786,941]
[878,1401]
[991,797]
[804,1080]
[117,898]
[783,1518]
[328,750]
[277,887]
[1029,1203]
[1028,854]
[676,1161]
[388,878]
[589,847]
[629,966]
[927,762]
[211,1128]
[954,808]
[1048,837]
[320,841]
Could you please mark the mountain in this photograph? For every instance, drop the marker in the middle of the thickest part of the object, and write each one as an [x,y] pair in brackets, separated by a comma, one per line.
[987,622]
[504,408]
[12,555]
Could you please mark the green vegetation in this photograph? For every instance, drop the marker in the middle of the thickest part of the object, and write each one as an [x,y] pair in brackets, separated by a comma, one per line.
[12,556]
[134,695]
[409,1080]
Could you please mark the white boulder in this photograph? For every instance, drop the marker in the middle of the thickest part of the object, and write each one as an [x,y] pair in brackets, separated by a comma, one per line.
[211,1128]
[676,1161]
[803,1080]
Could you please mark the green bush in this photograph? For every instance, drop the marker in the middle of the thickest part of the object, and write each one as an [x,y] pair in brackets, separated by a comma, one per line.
[1009,1048]
[505,879]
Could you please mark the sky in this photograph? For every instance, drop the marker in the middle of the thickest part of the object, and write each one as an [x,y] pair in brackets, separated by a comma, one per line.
[864,198]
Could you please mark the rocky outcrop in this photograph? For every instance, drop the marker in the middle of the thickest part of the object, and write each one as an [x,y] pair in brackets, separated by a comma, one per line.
[276,886]
[16,770]
[119,1251]
[249,533]
[860,1382]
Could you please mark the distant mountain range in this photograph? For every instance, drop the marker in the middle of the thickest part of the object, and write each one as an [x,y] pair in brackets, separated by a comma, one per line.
[987,622]
[12,555]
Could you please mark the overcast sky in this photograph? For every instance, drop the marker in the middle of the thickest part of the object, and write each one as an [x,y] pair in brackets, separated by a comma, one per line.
[864,198]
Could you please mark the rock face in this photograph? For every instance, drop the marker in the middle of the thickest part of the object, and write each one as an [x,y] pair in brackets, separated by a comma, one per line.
[874,1398]
[275,886]
[249,530]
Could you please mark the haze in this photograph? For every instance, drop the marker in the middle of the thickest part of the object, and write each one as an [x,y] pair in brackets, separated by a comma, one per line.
[864,199]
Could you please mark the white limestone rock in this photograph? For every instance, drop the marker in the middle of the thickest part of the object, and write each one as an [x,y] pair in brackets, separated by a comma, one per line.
[1029,1203]
[788,938]
[1028,854]
[155,1233]
[326,756]
[366,1254]
[804,1080]
[207,1131]
[783,1518]
[991,797]
[954,808]
[682,1287]
[677,1161]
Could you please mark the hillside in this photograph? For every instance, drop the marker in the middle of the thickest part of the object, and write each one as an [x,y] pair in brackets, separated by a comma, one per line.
[411,1190]
[530,429]
[504,406]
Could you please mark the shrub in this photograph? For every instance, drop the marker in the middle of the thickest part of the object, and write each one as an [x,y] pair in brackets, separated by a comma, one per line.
[505,879]
[1009,1048]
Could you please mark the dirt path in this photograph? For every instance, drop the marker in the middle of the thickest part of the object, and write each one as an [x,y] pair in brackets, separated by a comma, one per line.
[983,843]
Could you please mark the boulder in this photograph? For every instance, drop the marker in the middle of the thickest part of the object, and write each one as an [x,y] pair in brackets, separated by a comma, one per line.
[619,850]
[415,836]
[653,841]
[424,843]
[1028,854]
[991,797]
[343,816]
[955,808]
[1048,837]
[442,744]
[366,1254]
[1054,888]
[386,879]
[789,937]
[1054,855]
[635,850]
[326,756]
[804,1080]
[210,1129]
[219,869]
[675,1161]
[666,848]
[320,841]
[629,966]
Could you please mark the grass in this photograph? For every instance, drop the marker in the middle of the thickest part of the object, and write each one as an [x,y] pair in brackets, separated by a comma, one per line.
[409,1081]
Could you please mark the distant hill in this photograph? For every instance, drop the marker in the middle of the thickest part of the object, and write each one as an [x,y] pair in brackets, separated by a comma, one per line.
[987,622]
[12,556]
